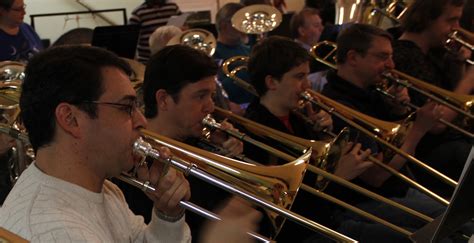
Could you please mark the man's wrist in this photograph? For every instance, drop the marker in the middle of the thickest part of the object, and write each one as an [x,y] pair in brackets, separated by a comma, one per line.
[168,218]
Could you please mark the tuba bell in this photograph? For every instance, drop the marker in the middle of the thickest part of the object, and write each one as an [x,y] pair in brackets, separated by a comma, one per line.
[199,39]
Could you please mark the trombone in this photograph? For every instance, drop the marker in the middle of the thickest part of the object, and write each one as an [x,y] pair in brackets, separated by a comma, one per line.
[323,166]
[381,128]
[463,104]
[271,187]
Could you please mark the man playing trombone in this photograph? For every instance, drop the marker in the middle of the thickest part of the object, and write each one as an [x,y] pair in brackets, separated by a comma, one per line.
[82,116]
[279,85]
[420,53]
[179,86]
[364,54]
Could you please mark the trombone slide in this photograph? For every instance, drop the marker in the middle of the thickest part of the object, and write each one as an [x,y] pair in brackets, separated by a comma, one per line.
[185,204]
[145,149]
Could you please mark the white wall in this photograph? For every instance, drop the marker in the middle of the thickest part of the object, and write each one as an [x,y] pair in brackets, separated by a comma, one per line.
[53,27]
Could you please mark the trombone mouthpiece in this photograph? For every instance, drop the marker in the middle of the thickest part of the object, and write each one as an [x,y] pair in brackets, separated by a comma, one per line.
[208,121]
[307,96]
[141,148]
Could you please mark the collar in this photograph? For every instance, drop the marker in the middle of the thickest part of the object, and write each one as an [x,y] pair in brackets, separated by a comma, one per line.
[346,87]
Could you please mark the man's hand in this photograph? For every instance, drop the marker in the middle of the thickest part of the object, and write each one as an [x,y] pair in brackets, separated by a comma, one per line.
[401,99]
[238,218]
[171,186]
[321,119]
[353,162]
[232,145]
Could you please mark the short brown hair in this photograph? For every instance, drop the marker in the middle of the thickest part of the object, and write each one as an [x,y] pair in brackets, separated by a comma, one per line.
[422,12]
[358,37]
[298,20]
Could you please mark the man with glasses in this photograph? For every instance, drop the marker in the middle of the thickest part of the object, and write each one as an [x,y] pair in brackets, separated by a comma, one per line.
[82,118]
[364,53]
[18,41]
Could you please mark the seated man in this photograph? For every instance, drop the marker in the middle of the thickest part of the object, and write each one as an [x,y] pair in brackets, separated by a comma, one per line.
[420,53]
[279,85]
[230,43]
[306,27]
[178,89]
[82,122]
[364,53]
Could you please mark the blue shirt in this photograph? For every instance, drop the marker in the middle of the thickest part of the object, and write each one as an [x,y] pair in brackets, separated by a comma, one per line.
[236,93]
[19,47]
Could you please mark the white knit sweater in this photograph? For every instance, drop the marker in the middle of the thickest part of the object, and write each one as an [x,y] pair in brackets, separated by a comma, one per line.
[41,208]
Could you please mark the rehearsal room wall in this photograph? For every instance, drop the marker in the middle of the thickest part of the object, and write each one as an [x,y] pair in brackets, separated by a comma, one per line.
[52,27]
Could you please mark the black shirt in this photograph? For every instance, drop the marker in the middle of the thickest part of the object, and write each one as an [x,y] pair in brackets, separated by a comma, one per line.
[370,103]
[305,203]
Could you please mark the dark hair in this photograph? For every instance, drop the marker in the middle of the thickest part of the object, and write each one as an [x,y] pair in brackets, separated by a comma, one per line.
[224,15]
[274,56]
[6,4]
[171,69]
[299,19]
[71,74]
[422,12]
[357,37]
[75,36]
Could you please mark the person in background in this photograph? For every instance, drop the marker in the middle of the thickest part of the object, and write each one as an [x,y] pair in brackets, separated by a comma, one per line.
[150,15]
[161,36]
[306,28]
[18,41]
[230,43]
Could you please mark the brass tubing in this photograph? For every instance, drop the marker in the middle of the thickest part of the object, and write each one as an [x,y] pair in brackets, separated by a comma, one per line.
[356,210]
[332,110]
[333,177]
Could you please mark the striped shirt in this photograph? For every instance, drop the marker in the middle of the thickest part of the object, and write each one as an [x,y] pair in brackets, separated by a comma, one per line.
[42,208]
[149,18]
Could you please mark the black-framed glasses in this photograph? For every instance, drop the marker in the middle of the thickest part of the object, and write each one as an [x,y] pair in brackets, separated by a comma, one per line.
[128,108]
[19,8]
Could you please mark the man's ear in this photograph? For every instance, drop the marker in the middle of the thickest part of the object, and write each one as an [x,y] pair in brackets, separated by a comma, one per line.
[352,57]
[301,31]
[270,82]
[161,99]
[67,118]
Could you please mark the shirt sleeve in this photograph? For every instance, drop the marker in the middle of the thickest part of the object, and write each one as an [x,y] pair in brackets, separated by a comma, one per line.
[159,230]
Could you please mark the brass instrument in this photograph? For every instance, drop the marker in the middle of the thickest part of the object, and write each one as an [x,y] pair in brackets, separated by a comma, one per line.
[256,19]
[383,14]
[462,37]
[11,78]
[327,154]
[271,187]
[388,15]
[12,71]
[199,39]
[463,104]
[377,125]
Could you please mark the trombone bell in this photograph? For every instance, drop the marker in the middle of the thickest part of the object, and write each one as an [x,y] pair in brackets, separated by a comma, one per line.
[277,184]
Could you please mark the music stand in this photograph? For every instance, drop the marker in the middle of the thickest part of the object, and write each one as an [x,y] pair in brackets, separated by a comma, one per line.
[121,39]
[459,211]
